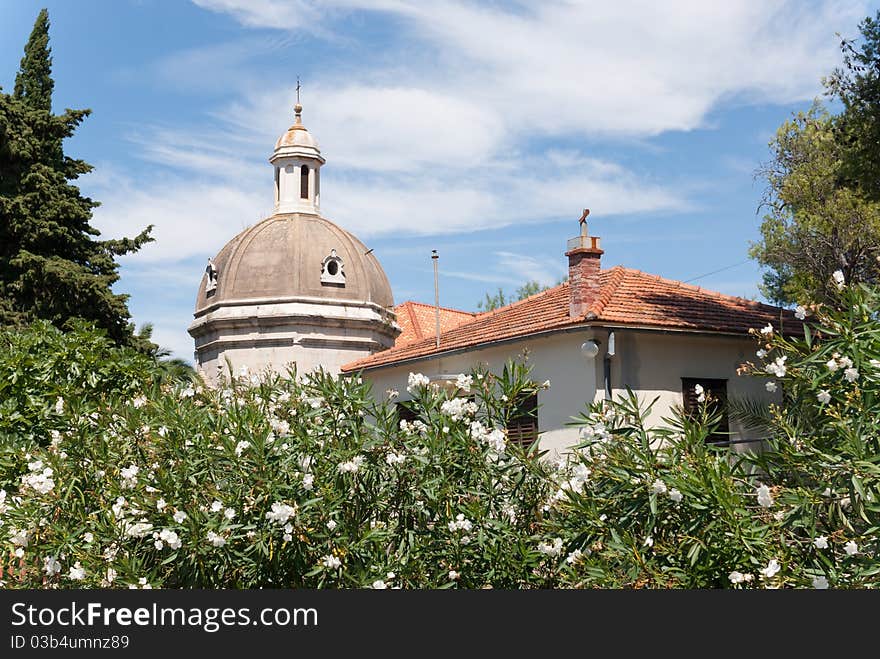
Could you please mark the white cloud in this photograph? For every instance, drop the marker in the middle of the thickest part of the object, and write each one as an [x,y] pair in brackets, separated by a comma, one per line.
[190,217]
[623,68]
[530,268]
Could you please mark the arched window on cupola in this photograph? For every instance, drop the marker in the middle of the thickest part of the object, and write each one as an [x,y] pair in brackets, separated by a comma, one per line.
[304,182]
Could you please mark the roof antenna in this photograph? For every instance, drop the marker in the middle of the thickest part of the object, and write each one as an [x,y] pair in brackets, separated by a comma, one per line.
[435,258]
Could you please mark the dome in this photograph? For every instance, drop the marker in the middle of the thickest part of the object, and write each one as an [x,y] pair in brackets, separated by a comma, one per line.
[294,255]
[297,141]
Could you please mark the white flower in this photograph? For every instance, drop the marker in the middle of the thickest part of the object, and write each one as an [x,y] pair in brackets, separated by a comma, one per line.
[875,363]
[461,523]
[229,513]
[649,542]
[820,583]
[464,382]
[772,569]
[736,577]
[767,329]
[308,481]
[800,312]
[761,353]
[170,538]
[658,487]
[351,466]
[216,506]
[39,481]
[458,408]
[280,513]
[189,392]
[77,572]
[453,575]
[88,537]
[378,584]
[395,458]
[832,364]
[701,394]
[161,504]
[51,565]
[839,279]
[416,380]
[765,499]
[129,476]
[139,402]
[59,405]
[851,548]
[551,548]
[392,393]
[545,384]
[824,397]
[770,386]
[331,525]
[215,539]
[138,530]
[241,446]
[179,516]
[851,374]
[331,562]
[821,542]
[777,367]
[576,556]
[675,495]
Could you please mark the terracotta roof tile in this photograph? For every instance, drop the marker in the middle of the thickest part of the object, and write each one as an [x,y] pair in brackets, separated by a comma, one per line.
[626,297]
[417,321]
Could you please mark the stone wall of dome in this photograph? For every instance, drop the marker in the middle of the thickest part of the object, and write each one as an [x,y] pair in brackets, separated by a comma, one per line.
[283,257]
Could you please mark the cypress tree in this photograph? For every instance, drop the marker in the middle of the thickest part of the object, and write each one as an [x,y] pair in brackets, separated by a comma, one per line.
[34,83]
[52,264]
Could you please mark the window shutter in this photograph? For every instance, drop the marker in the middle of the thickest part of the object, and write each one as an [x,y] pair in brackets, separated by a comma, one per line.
[522,426]
[716,390]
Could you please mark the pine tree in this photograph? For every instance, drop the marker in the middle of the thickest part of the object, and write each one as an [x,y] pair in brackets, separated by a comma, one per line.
[34,82]
[52,265]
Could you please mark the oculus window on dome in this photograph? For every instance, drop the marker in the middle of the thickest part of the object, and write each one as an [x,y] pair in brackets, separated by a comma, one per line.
[331,270]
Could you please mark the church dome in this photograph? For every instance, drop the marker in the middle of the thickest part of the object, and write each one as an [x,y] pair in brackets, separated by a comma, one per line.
[294,255]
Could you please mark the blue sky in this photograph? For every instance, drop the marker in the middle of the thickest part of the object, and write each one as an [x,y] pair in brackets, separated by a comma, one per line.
[477,129]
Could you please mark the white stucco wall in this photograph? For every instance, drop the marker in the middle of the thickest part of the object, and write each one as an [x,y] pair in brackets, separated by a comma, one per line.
[650,363]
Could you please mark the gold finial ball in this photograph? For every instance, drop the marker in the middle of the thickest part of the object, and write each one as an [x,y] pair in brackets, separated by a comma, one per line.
[298,108]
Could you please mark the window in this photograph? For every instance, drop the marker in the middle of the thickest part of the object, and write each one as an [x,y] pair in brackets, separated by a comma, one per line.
[716,394]
[405,411]
[277,184]
[304,182]
[331,270]
[522,425]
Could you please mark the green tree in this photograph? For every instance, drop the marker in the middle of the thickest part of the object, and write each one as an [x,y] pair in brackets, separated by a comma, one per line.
[857,85]
[816,223]
[52,266]
[500,299]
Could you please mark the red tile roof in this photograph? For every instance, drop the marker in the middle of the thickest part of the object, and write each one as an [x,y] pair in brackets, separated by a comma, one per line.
[417,321]
[627,297]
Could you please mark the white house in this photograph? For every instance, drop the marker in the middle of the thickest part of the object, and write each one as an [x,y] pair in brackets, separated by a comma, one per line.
[594,336]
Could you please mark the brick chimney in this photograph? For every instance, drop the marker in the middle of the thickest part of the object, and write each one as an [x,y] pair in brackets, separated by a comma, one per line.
[584,258]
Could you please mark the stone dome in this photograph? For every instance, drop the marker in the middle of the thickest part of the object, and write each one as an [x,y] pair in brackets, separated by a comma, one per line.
[293,256]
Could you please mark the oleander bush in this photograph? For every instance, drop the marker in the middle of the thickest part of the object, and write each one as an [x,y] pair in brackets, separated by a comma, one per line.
[662,507]
[123,479]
